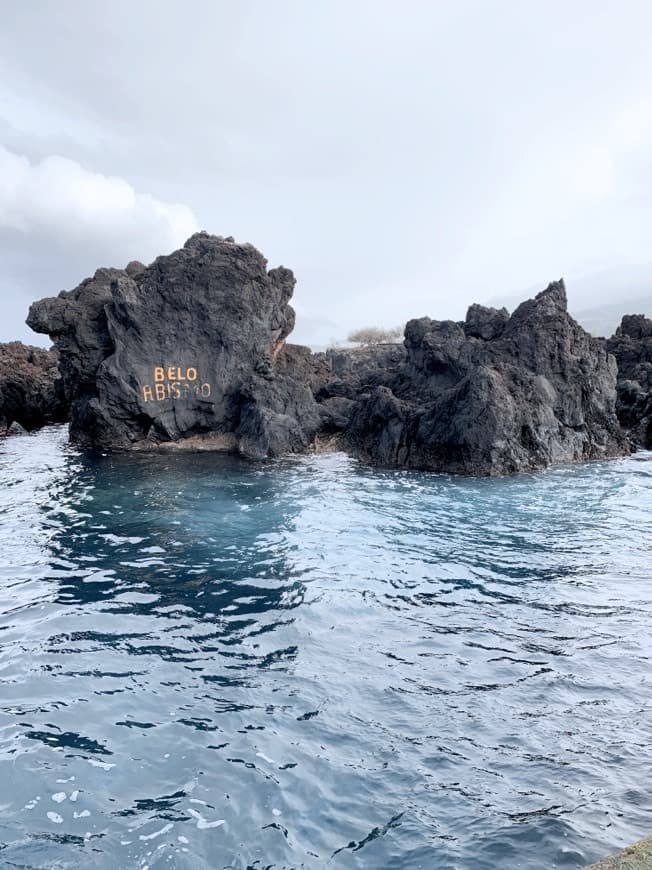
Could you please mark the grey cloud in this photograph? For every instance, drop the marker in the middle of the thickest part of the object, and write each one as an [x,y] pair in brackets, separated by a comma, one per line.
[403,160]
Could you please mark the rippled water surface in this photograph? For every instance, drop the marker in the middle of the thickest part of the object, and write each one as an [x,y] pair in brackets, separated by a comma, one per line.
[206,663]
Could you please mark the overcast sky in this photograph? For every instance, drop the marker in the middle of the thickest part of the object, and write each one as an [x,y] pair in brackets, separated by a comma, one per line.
[402,158]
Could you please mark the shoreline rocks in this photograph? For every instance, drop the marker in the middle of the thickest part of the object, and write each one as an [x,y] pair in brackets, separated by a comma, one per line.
[495,394]
[30,388]
[638,856]
[190,352]
[190,346]
[632,347]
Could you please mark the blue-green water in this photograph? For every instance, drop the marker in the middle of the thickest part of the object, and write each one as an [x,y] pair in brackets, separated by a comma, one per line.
[206,663]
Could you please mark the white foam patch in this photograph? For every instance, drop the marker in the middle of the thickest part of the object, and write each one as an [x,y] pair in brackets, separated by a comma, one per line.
[55,818]
[183,839]
[74,795]
[83,815]
[59,797]
[265,757]
[202,823]
[119,539]
[153,836]
[103,764]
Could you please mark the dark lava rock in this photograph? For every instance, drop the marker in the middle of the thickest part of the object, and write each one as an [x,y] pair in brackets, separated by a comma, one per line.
[494,395]
[16,429]
[30,388]
[486,323]
[632,347]
[189,351]
[341,377]
[351,371]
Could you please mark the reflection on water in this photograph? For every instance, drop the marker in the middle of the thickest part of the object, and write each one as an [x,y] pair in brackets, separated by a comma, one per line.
[207,663]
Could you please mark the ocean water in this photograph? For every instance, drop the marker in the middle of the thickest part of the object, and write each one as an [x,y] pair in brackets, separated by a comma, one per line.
[206,663]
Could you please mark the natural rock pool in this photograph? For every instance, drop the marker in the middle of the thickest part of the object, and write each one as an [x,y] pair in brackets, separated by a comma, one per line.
[207,663]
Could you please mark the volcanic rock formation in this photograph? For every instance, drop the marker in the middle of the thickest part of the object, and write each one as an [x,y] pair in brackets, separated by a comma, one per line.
[190,351]
[492,395]
[340,377]
[190,347]
[632,347]
[30,389]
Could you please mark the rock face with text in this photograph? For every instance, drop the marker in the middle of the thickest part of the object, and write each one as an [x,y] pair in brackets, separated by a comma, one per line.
[191,352]
[632,347]
[188,351]
[493,395]
[30,388]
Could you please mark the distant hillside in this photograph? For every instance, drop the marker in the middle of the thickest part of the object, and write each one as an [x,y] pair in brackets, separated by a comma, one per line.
[598,300]
[603,319]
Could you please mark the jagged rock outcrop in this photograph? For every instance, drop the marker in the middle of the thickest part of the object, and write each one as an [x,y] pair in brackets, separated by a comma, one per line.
[494,394]
[30,389]
[189,350]
[486,323]
[632,348]
[341,377]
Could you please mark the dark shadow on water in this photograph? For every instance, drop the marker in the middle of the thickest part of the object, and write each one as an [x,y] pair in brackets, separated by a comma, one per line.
[198,537]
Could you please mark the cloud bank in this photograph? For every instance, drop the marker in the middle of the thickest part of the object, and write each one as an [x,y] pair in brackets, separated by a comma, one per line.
[62,200]
[59,221]
[401,163]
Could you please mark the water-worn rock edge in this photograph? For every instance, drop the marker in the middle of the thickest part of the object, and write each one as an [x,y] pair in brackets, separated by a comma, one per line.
[632,349]
[638,856]
[30,388]
[191,352]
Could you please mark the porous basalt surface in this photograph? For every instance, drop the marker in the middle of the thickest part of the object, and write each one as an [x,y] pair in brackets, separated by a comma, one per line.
[30,388]
[632,348]
[192,345]
[191,351]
